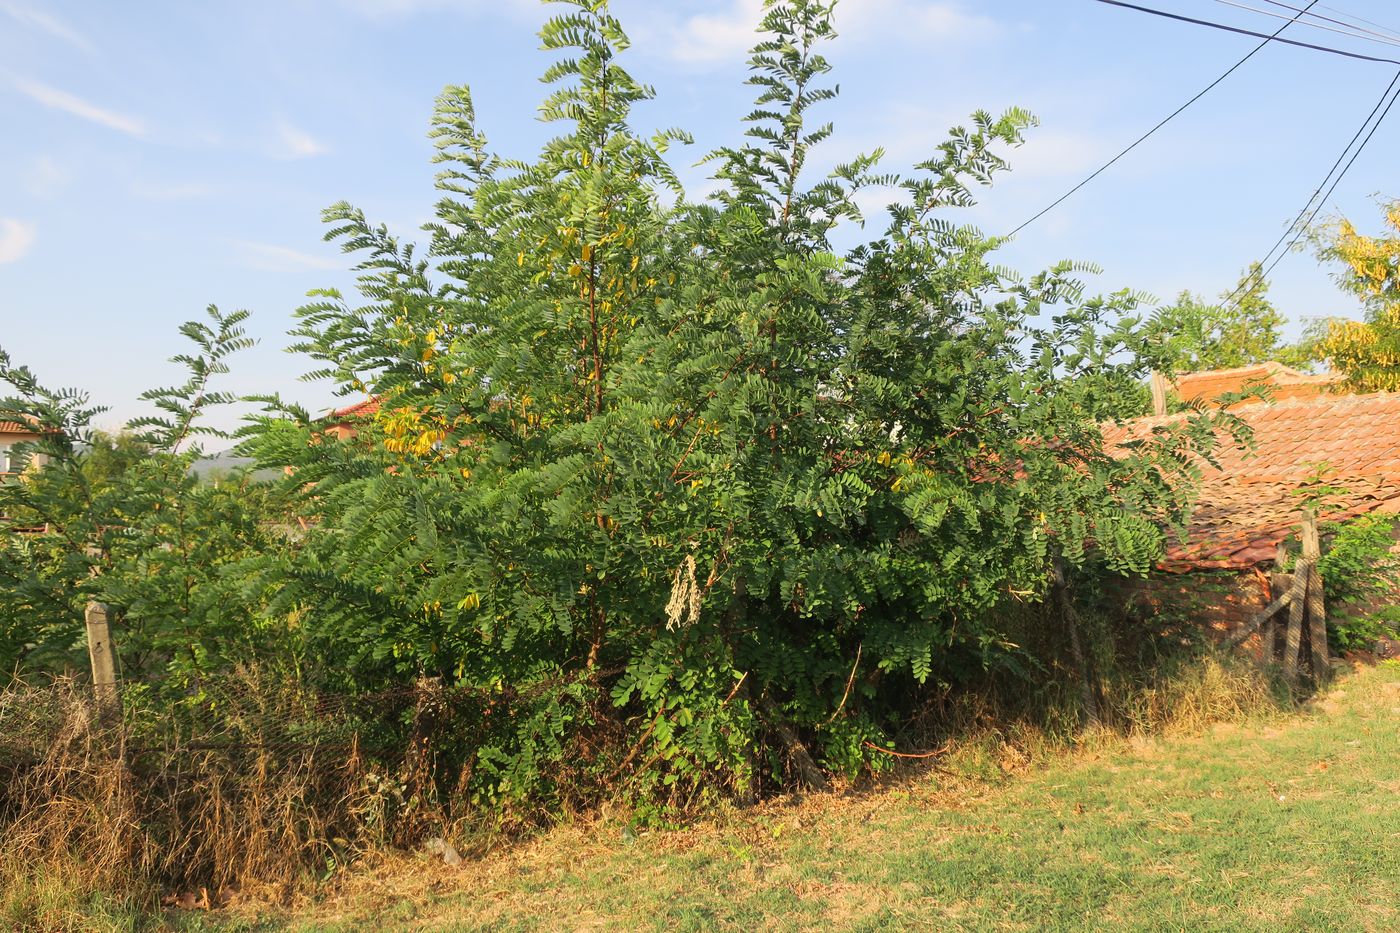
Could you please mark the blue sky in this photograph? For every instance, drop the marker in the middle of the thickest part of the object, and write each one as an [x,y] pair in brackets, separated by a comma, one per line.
[161,155]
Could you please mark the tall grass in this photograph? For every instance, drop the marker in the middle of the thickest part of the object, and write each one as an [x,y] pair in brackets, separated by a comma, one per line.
[97,819]
[260,792]
[1152,673]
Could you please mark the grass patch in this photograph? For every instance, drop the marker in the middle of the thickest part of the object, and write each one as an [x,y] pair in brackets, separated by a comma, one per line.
[1289,823]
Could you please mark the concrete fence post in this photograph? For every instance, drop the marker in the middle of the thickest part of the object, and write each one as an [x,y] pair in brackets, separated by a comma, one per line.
[103,656]
[1317,608]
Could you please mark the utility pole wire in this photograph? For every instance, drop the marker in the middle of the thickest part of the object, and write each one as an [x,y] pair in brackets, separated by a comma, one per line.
[1350,32]
[1301,225]
[1169,118]
[1384,33]
[1249,32]
[1359,19]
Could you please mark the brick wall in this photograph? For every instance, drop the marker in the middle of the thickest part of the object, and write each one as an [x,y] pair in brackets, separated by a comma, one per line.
[1218,602]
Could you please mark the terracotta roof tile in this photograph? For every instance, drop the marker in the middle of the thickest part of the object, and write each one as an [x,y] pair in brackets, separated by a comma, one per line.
[1283,382]
[1252,502]
[18,427]
[367,408]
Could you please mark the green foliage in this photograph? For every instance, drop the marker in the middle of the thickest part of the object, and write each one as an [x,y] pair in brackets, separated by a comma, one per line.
[1242,329]
[679,480]
[120,520]
[1366,353]
[1361,581]
[109,456]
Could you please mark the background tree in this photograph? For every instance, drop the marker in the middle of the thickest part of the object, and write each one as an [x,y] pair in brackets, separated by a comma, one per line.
[121,520]
[1366,353]
[1242,329]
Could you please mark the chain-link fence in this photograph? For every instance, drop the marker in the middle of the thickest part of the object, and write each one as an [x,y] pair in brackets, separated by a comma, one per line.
[245,777]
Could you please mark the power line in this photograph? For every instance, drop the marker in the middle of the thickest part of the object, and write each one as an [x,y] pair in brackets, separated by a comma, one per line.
[1303,229]
[1249,32]
[1350,32]
[1350,21]
[1384,33]
[1359,19]
[1299,226]
[1169,118]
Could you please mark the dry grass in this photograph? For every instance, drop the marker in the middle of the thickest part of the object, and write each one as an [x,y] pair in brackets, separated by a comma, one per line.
[1189,697]
[103,821]
[93,839]
[1273,823]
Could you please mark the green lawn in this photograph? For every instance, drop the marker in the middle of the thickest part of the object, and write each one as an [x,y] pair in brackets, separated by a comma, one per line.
[1287,825]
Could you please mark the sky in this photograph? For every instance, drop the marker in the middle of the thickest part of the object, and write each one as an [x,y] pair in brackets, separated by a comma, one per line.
[159,156]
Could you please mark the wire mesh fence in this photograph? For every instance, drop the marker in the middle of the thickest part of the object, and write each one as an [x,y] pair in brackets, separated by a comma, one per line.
[245,776]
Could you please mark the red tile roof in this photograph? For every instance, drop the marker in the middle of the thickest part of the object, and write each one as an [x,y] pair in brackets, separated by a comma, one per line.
[367,408]
[1251,504]
[19,427]
[1283,382]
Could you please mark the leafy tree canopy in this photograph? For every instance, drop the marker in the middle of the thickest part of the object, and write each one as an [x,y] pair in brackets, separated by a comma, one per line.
[1241,329]
[1366,352]
[119,520]
[683,468]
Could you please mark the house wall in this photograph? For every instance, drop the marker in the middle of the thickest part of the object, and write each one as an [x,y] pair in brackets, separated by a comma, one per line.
[8,440]
[1218,602]
[342,431]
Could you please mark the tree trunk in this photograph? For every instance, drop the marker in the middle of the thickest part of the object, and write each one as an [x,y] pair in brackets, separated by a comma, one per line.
[807,771]
[1089,704]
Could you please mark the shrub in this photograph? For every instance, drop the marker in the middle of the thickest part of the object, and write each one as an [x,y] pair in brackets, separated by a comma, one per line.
[1361,581]
[124,522]
[707,499]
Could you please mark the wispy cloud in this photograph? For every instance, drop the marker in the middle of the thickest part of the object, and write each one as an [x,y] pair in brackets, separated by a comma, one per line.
[16,237]
[272,258]
[294,143]
[913,132]
[913,21]
[1058,153]
[718,36]
[727,34]
[908,132]
[55,99]
[37,19]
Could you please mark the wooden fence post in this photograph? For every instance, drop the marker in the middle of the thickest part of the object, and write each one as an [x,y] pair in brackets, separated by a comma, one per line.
[104,664]
[1304,598]
[1297,605]
[1317,609]
[1159,393]
[1278,585]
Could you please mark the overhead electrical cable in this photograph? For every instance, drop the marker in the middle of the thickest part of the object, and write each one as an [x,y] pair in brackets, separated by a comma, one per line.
[1359,19]
[1351,20]
[1249,32]
[1304,220]
[1169,118]
[1350,32]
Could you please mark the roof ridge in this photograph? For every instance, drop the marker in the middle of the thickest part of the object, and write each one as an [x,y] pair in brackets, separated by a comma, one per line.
[360,407]
[1318,400]
[1251,407]
[1229,371]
